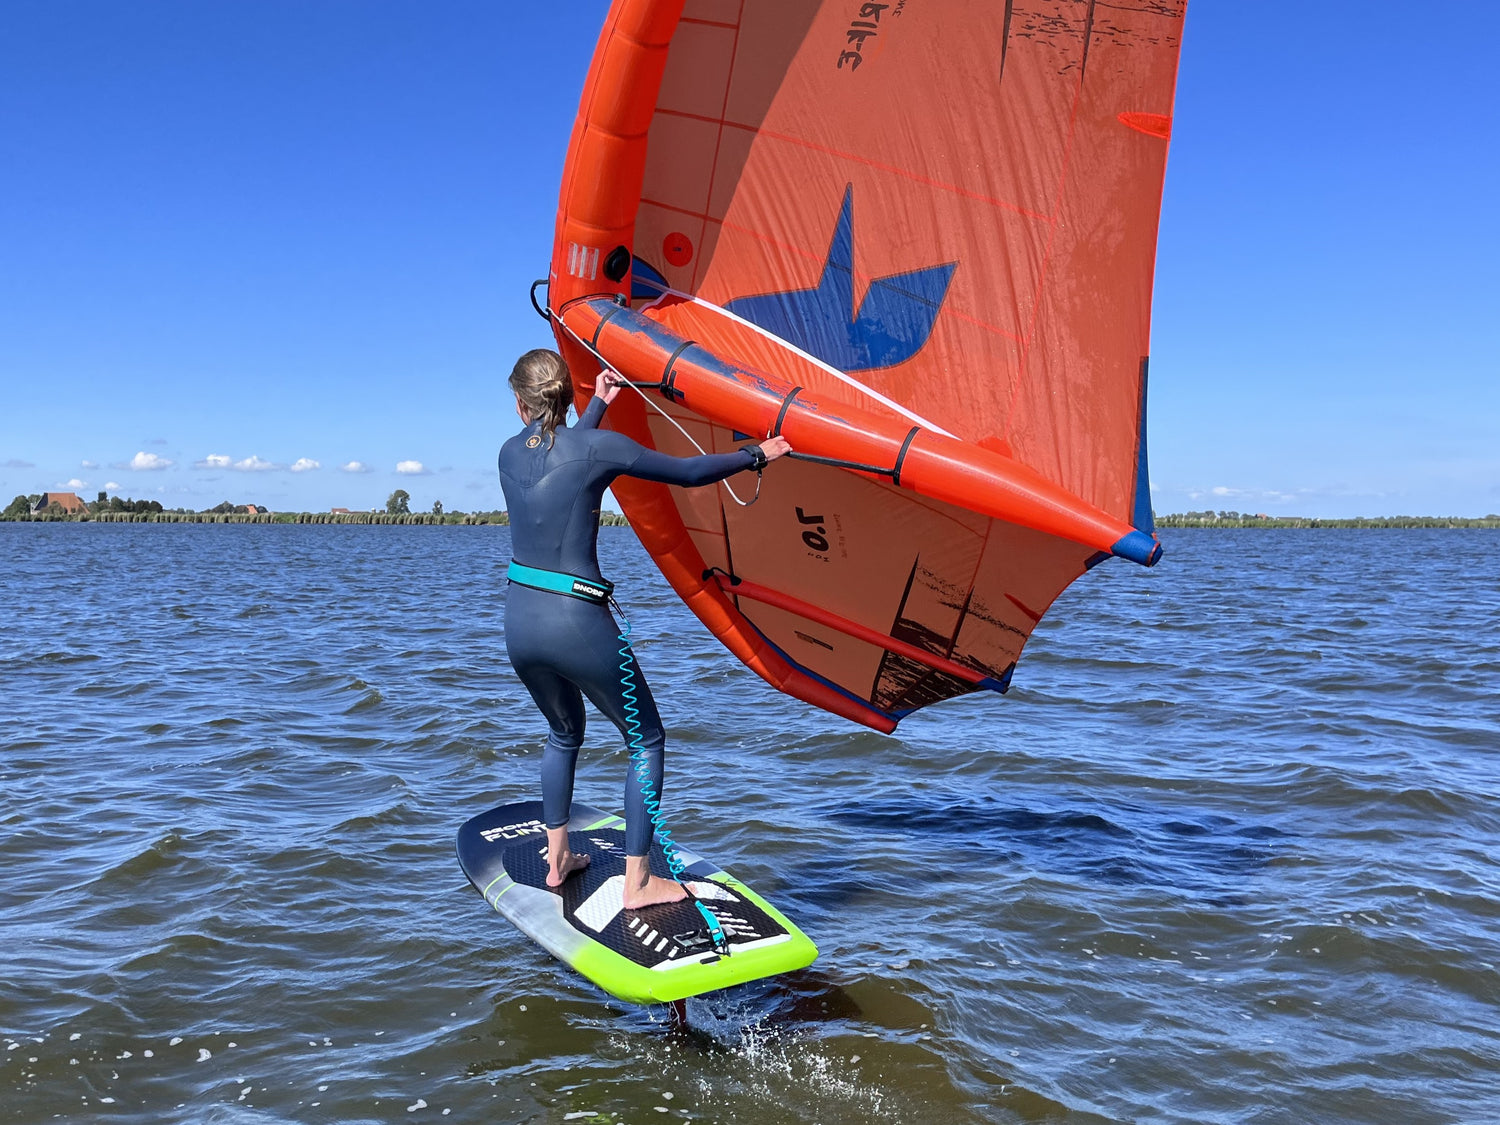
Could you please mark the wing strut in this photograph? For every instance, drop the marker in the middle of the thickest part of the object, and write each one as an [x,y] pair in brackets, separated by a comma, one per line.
[741,588]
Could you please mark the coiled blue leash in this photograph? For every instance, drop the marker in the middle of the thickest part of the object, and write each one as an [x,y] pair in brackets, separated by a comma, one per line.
[642,769]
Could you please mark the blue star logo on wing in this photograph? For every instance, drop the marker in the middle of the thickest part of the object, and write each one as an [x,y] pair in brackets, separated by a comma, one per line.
[891,325]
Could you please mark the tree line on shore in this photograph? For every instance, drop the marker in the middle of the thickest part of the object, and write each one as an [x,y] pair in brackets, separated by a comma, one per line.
[1237,519]
[113,509]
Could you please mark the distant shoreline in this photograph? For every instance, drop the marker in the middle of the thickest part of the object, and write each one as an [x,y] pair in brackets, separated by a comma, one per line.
[447,519]
[1235,521]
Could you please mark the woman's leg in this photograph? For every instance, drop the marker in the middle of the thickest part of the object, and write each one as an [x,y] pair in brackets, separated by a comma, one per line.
[646,740]
[561,703]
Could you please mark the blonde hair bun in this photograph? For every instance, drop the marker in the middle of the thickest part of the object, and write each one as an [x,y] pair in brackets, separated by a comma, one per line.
[541,381]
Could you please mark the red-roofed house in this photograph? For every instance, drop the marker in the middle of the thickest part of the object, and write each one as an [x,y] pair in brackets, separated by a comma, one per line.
[67,501]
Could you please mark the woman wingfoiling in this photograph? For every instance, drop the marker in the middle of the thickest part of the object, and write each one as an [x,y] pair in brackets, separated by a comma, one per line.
[560,635]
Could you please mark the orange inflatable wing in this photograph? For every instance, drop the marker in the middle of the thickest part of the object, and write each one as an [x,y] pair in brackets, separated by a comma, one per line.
[915,237]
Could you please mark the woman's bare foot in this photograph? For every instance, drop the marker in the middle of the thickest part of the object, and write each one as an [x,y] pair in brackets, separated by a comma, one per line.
[645,889]
[564,865]
[562,860]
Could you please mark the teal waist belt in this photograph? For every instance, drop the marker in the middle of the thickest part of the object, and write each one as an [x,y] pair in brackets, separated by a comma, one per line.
[596,590]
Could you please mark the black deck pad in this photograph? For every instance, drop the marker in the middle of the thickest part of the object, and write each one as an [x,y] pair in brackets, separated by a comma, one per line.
[652,934]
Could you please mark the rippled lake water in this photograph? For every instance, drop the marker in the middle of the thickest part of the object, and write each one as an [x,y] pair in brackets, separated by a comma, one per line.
[1225,853]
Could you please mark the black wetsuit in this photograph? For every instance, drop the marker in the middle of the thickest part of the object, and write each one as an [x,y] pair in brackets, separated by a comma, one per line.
[564,648]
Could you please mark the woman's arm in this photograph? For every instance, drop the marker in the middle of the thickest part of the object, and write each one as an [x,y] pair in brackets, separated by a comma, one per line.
[689,472]
[606,386]
[592,414]
[626,458]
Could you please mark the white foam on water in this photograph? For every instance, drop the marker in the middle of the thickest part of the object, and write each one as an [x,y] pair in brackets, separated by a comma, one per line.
[766,1068]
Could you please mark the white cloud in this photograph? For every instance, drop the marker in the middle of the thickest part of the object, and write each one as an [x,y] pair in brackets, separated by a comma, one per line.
[148,462]
[305,465]
[355,467]
[112,486]
[213,461]
[412,469]
[89,464]
[254,464]
[75,483]
[1253,495]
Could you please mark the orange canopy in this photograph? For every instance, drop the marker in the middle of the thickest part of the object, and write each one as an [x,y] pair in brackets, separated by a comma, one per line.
[917,237]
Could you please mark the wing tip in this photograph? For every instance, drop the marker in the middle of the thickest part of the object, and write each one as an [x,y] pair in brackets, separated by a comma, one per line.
[1138,547]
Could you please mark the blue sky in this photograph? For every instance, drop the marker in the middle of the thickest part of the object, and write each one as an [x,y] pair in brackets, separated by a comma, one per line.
[240,240]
